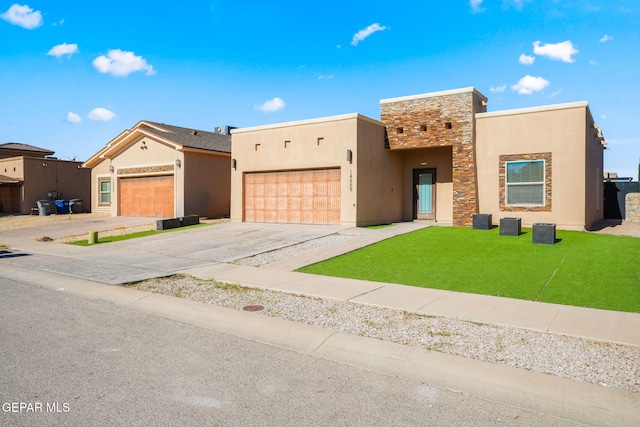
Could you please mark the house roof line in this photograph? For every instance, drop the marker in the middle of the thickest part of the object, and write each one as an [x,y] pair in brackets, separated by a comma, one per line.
[434,94]
[340,117]
[552,107]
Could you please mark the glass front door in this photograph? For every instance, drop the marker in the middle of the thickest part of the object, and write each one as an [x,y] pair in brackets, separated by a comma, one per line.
[424,194]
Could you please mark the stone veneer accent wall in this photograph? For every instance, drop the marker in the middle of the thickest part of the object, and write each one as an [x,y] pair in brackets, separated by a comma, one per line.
[547,182]
[437,121]
[632,207]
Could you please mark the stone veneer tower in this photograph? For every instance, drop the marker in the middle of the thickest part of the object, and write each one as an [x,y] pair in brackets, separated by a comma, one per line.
[441,119]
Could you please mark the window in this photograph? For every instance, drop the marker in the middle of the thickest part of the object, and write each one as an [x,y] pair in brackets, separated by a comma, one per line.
[105,191]
[400,130]
[525,182]
[447,125]
[423,128]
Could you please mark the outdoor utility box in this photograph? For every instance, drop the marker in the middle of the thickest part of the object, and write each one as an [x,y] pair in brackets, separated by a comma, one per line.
[482,221]
[189,220]
[166,224]
[544,233]
[510,226]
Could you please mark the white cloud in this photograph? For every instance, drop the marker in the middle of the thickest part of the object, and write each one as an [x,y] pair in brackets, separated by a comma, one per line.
[23,16]
[101,114]
[593,62]
[562,51]
[271,105]
[606,38]
[63,49]
[498,89]
[325,77]
[529,84]
[476,6]
[364,33]
[526,59]
[73,117]
[122,63]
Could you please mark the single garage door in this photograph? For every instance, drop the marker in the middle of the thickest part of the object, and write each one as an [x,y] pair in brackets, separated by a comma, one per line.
[297,197]
[149,196]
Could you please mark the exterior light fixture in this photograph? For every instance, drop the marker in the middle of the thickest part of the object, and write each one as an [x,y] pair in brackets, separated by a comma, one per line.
[44,164]
[111,169]
[349,156]
[178,163]
[233,164]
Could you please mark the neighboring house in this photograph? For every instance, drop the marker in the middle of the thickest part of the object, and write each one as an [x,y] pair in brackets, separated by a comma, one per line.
[437,156]
[28,174]
[159,170]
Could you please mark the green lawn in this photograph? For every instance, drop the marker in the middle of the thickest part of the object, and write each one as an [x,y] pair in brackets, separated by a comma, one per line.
[583,269]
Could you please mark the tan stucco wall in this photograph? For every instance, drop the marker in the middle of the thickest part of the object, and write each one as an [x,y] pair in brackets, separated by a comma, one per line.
[207,185]
[439,158]
[63,176]
[559,130]
[378,178]
[323,143]
[134,160]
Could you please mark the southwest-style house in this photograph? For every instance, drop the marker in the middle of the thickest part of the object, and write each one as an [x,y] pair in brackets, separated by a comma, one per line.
[160,170]
[438,156]
[29,174]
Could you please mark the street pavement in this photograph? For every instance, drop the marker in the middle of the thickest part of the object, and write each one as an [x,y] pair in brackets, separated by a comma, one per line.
[209,252]
[88,362]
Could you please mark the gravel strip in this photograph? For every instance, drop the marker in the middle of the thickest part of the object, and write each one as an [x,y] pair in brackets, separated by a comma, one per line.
[609,365]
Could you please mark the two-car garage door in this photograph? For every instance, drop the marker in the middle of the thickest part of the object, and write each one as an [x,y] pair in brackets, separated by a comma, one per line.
[147,196]
[298,197]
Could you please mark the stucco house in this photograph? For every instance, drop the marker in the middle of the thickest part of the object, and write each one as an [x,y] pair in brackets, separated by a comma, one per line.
[160,170]
[437,156]
[29,174]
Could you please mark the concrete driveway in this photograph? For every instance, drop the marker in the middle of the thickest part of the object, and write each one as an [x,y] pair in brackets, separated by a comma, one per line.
[230,241]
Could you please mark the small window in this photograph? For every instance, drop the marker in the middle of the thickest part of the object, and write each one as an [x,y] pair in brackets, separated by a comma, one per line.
[257,146]
[105,191]
[286,144]
[447,125]
[320,140]
[400,130]
[423,128]
[525,183]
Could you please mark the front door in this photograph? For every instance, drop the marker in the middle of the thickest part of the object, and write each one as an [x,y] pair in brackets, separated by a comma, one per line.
[424,194]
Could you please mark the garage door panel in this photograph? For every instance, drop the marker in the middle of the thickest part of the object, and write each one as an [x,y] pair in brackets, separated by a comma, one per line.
[309,197]
[147,196]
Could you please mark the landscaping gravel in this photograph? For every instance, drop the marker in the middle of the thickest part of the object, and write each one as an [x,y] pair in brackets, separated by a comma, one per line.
[609,365]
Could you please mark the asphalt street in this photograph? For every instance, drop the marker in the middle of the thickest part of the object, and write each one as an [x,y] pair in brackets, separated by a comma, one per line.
[72,360]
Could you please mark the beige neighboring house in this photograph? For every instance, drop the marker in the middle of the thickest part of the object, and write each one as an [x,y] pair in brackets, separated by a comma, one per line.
[160,170]
[29,174]
[437,156]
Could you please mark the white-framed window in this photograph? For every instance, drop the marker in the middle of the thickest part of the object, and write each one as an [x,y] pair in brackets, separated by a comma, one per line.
[104,190]
[525,182]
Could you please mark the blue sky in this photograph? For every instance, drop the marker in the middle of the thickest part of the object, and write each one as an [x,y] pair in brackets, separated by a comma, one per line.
[74,74]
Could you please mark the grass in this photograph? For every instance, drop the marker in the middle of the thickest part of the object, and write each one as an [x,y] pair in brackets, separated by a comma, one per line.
[582,269]
[132,235]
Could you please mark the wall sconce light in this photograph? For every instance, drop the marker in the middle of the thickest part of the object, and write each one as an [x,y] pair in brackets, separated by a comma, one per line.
[349,156]
[44,164]
[233,164]
[178,163]
[111,169]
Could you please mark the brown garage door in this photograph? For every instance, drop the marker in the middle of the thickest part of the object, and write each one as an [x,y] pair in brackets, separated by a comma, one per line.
[151,196]
[298,197]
